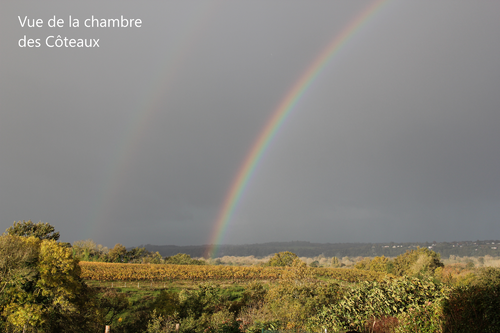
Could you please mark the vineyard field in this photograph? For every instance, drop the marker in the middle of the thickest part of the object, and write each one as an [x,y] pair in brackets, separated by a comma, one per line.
[98,271]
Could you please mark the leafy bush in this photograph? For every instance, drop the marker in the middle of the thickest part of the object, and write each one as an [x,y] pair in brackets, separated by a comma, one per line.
[167,303]
[282,259]
[350,275]
[427,318]
[183,259]
[161,324]
[377,264]
[361,303]
[421,262]
[293,303]
[474,307]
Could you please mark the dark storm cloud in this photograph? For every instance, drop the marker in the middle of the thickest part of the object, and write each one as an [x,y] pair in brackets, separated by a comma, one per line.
[138,141]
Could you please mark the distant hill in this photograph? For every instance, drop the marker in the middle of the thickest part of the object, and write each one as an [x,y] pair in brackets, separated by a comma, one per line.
[307,249]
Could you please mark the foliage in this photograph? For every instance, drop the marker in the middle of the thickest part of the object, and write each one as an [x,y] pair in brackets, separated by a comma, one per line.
[17,262]
[350,275]
[48,295]
[254,294]
[203,309]
[380,264]
[297,300]
[314,264]
[167,303]
[363,264]
[367,300]
[205,299]
[41,290]
[377,264]
[152,258]
[335,262]
[288,303]
[111,303]
[85,249]
[282,259]
[293,303]
[254,319]
[101,271]
[149,272]
[474,307]
[136,253]
[381,325]
[18,272]
[160,324]
[117,253]
[455,274]
[419,262]
[426,318]
[27,229]
[183,259]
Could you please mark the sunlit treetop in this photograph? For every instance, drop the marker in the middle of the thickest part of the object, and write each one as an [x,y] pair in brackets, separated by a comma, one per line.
[27,228]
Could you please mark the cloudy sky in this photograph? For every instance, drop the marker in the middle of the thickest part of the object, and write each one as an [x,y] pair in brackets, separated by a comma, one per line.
[139,141]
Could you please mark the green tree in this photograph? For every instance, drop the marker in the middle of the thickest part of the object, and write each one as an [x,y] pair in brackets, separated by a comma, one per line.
[421,261]
[135,254]
[110,303]
[481,261]
[17,261]
[117,254]
[45,293]
[183,259]
[282,259]
[152,258]
[167,303]
[380,264]
[39,230]
[85,249]
[363,264]
[335,262]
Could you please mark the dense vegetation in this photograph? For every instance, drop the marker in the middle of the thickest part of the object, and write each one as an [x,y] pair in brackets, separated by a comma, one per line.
[156,272]
[44,287]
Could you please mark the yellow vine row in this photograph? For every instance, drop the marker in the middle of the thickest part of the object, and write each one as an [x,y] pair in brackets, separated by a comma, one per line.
[99,271]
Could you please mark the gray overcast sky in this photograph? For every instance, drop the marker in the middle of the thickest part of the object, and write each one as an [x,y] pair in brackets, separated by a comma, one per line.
[139,140]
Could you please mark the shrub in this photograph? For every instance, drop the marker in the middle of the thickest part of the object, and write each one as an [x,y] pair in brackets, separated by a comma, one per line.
[282,259]
[425,318]
[360,304]
[420,262]
[474,307]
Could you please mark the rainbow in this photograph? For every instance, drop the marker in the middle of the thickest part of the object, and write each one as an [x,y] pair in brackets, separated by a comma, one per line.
[125,153]
[278,117]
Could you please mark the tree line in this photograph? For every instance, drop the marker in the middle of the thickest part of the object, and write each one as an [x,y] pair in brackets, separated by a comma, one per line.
[307,249]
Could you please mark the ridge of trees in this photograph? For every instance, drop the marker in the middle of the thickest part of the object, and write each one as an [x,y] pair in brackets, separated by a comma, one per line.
[307,249]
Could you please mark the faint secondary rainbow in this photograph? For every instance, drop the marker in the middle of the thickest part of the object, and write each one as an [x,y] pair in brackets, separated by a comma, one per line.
[278,117]
[148,105]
